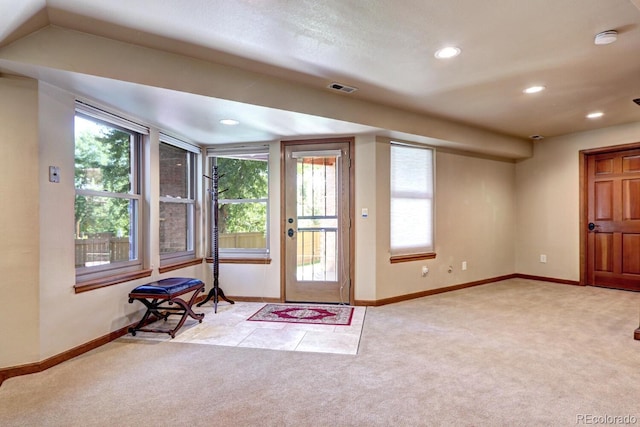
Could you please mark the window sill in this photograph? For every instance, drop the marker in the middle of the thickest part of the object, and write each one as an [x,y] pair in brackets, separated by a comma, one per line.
[241,260]
[110,280]
[414,257]
[179,265]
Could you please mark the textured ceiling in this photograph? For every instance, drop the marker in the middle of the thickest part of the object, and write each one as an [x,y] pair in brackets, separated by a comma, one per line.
[385,49]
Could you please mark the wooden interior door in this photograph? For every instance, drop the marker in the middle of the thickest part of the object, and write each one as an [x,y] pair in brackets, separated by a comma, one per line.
[316,222]
[613,219]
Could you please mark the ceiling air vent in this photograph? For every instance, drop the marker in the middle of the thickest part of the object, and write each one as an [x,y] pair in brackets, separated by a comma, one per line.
[342,88]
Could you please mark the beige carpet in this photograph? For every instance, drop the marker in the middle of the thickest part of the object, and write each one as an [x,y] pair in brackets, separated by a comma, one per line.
[511,353]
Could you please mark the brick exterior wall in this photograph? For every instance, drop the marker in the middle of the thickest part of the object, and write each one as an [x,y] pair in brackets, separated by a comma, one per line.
[174,182]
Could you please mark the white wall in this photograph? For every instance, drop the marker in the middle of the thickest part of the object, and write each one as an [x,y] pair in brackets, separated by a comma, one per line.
[548,216]
[475,217]
[366,189]
[67,319]
[20,249]
[56,218]
[474,222]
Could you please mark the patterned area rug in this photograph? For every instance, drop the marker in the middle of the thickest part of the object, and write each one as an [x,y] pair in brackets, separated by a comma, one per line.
[323,315]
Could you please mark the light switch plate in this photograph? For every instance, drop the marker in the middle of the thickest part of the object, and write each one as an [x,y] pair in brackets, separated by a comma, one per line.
[54,174]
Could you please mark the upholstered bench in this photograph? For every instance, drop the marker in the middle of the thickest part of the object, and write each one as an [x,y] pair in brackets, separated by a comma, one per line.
[168,291]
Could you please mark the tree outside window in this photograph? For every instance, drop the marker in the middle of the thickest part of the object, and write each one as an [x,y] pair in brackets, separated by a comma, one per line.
[107,195]
[242,203]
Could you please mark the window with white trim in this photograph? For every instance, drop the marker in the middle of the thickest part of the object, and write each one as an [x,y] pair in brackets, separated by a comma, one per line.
[108,227]
[177,200]
[243,201]
[412,201]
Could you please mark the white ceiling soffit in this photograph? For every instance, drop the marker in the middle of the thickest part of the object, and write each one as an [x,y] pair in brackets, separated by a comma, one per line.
[19,18]
[386,51]
[81,53]
[176,111]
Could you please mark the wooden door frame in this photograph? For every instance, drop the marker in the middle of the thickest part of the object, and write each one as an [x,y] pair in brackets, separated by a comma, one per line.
[283,222]
[584,193]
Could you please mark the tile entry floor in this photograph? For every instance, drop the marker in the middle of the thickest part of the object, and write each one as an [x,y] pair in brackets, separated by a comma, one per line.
[229,327]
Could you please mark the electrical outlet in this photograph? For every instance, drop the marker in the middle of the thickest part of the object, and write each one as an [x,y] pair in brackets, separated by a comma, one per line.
[543,258]
[425,270]
[464,265]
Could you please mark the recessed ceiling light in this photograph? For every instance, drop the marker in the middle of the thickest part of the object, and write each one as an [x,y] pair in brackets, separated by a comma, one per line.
[595,115]
[534,89]
[229,122]
[447,52]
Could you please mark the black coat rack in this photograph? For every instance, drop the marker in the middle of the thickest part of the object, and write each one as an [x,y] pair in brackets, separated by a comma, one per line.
[215,291]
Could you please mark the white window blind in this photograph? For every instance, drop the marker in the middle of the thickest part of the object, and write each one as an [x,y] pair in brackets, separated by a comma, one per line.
[411,200]
[180,143]
[97,113]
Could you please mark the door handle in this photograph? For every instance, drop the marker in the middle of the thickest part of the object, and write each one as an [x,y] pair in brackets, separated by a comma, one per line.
[290,232]
[592,226]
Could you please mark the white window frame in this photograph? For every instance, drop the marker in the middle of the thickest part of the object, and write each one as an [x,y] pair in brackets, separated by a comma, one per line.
[212,154]
[136,193]
[412,233]
[192,190]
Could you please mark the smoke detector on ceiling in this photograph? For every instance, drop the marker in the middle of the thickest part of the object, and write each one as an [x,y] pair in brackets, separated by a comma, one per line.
[536,137]
[342,88]
[606,37]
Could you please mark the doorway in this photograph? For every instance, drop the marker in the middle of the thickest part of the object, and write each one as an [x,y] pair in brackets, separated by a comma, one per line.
[610,224]
[316,238]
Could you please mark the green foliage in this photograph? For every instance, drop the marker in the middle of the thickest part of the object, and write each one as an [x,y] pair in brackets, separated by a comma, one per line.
[242,218]
[242,179]
[102,163]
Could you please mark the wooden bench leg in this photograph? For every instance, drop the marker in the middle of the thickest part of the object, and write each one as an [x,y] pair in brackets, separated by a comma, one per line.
[154,306]
[187,311]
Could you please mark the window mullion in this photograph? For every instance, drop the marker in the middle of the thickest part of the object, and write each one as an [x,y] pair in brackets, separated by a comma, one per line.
[177,200]
[97,193]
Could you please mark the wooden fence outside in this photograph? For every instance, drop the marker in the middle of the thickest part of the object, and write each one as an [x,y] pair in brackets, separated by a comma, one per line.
[309,244]
[242,240]
[105,250]
[101,250]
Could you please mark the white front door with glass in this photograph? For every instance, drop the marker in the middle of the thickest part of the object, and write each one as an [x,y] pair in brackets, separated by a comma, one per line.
[316,236]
